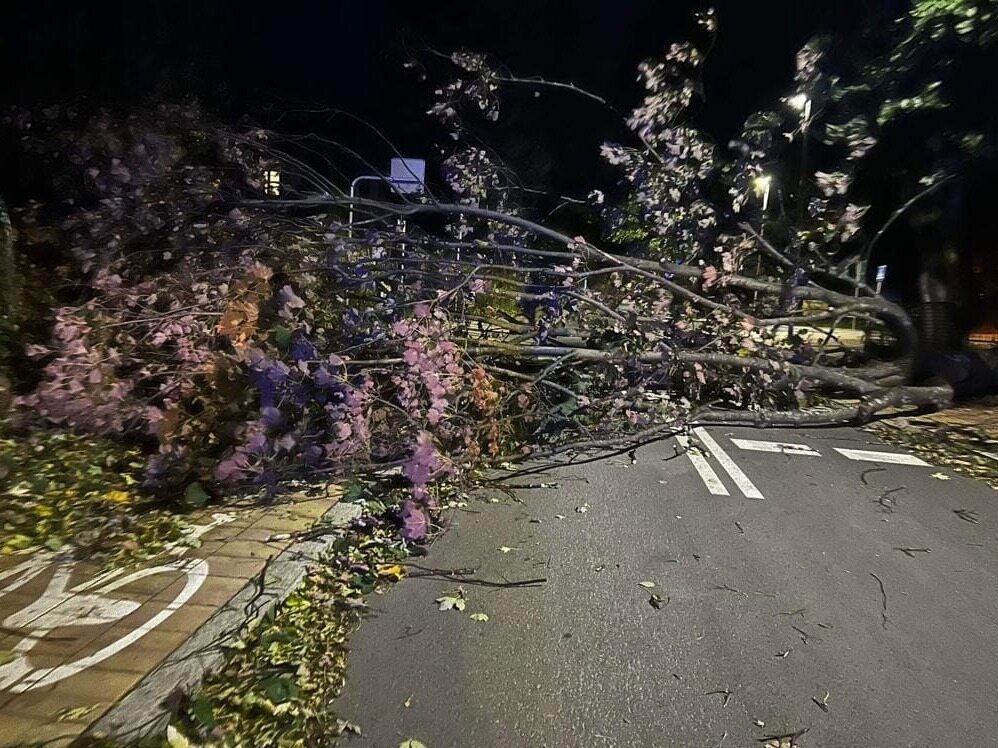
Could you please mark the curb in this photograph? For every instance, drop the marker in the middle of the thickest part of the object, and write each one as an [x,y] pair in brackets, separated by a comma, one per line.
[143,710]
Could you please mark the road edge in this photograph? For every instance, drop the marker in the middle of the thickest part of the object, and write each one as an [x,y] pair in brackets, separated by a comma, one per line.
[144,709]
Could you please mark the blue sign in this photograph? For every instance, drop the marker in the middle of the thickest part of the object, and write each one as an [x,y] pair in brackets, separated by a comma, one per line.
[881,273]
[408,174]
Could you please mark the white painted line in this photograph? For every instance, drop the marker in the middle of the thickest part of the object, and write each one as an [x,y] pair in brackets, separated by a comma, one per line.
[741,480]
[867,455]
[787,448]
[707,473]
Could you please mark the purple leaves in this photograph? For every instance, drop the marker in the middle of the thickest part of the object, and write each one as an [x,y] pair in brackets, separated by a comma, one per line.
[232,468]
[271,417]
[415,522]
[423,463]
[288,302]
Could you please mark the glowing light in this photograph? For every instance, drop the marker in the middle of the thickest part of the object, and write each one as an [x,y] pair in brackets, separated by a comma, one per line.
[798,102]
[802,104]
[762,183]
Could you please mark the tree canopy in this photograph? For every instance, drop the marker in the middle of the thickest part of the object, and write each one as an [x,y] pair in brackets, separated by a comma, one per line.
[242,335]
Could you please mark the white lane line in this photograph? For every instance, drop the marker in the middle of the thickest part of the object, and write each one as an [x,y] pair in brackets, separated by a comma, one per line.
[741,480]
[787,448]
[707,473]
[867,455]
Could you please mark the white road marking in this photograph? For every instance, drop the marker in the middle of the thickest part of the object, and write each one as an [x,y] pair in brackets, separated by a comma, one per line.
[867,455]
[196,571]
[787,448]
[86,604]
[741,480]
[707,473]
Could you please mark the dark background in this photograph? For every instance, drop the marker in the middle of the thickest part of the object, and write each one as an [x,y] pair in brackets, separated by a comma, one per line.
[239,58]
[266,61]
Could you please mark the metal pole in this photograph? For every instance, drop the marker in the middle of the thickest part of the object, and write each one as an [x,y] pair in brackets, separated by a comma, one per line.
[860,274]
[353,186]
[353,194]
[371,178]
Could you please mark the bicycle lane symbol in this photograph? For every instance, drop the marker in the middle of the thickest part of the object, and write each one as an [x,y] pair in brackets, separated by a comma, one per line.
[89,603]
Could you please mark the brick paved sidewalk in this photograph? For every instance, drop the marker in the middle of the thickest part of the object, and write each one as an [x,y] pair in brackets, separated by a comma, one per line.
[74,641]
[980,416]
[964,438]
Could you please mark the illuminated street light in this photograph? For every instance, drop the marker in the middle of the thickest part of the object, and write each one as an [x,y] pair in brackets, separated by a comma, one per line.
[802,104]
[762,183]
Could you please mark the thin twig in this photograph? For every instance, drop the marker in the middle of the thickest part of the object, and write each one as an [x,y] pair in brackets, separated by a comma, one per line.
[883,596]
[461,575]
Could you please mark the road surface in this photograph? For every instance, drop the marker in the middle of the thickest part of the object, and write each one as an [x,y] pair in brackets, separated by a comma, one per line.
[787,605]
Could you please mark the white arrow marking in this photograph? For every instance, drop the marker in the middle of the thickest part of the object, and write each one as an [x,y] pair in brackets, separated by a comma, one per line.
[707,473]
[787,448]
[741,480]
[867,455]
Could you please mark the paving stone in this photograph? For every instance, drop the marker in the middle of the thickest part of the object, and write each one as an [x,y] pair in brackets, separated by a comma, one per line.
[236,568]
[243,548]
[246,576]
[217,590]
[261,535]
[15,728]
[68,695]
[188,618]
[51,735]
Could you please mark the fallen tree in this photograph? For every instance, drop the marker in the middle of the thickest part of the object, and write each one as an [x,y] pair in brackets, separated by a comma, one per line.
[244,335]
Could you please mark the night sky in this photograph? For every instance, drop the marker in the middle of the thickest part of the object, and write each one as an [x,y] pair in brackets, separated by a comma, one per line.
[239,58]
[266,60]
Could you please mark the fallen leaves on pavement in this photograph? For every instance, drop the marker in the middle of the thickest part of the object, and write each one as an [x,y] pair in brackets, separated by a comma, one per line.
[453,601]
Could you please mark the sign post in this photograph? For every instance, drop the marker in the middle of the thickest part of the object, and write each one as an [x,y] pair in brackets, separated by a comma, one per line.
[406,176]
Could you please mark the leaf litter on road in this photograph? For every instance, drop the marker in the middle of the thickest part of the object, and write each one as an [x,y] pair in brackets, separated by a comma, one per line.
[823,703]
[452,601]
[657,602]
[787,740]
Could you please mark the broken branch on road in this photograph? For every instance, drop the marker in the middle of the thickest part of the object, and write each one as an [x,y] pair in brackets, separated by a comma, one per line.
[463,576]
[910,552]
[726,693]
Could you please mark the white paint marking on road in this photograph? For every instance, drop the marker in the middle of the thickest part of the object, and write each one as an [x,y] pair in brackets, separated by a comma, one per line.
[741,480]
[867,455]
[707,474]
[787,448]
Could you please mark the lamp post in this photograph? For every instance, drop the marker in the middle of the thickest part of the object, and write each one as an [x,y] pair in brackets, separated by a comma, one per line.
[762,184]
[802,103]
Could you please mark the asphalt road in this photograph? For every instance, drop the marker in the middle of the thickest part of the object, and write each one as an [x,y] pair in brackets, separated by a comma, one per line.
[774,619]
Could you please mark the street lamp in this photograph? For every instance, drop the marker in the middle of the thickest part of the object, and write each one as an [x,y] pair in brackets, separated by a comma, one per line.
[762,184]
[802,104]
